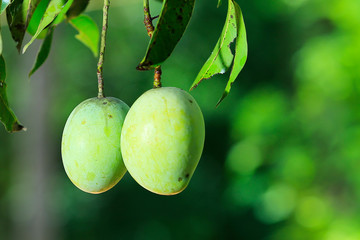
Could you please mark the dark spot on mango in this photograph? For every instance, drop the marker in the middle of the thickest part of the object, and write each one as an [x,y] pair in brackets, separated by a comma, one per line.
[179,179]
[187,175]
[190,101]
[110,116]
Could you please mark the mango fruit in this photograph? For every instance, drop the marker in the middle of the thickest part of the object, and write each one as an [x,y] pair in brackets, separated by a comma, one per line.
[91,144]
[162,139]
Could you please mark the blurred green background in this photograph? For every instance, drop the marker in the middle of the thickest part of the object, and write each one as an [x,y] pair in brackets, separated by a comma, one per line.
[282,153]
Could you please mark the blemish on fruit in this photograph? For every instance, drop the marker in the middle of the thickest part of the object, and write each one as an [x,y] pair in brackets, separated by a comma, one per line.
[90,176]
[83,122]
[110,116]
[179,179]
[187,175]
[190,101]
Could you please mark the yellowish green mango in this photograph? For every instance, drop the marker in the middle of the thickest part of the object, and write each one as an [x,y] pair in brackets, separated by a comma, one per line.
[91,144]
[162,140]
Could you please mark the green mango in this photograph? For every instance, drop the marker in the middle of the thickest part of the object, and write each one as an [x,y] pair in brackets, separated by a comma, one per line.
[91,144]
[162,140]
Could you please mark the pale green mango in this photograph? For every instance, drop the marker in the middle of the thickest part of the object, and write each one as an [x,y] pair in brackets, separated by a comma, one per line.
[162,140]
[91,144]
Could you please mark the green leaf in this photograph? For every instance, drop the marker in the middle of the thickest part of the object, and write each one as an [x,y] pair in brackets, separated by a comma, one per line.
[16,16]
[174,18]
[1,43]
[36,19]
[7,117]
[19,14]
[221,58]
[62,15]
[55,8]
[241,51]
[43,52]
[88,32]
[32,5]
[4,4]
[77,8]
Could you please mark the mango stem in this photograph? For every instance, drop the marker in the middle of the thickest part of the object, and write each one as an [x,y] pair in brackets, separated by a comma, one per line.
[150,30]
[102,49]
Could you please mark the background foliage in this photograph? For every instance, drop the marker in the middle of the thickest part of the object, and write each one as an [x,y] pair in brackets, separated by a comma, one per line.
[281,157]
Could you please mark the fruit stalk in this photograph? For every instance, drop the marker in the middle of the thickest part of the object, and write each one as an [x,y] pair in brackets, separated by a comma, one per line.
[102,49]
[157,77]
[150,30]
[147,19]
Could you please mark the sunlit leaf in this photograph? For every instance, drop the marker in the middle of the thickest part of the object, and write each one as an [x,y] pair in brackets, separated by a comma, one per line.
[36,19]
[7,117]
[32,5]
[55,8]
[88,32]
[174,18]
[43,52]
[241,51]
[63,14]
[4,4]
[222,58]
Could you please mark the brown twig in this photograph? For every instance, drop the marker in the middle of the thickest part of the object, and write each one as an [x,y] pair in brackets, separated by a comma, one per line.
[150,30]
[102,49]
[157,77]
